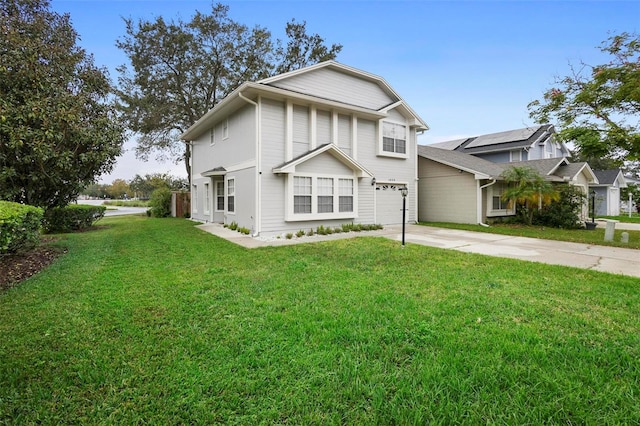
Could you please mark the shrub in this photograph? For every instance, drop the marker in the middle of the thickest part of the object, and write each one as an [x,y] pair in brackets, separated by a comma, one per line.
[289,236]
[19,227]
[244,230]
[160,202]
[300,233]
[73,217]
[310,233]
[565,212]
[233,226]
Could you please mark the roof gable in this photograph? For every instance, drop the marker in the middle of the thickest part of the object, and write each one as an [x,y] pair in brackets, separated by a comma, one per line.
[331,149]
[610,177]
[482,169]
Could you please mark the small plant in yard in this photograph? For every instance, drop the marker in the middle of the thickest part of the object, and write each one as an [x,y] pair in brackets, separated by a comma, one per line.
[321,230]
[233,226]
[289,236]
[243,230]
[310,233]
[300,233]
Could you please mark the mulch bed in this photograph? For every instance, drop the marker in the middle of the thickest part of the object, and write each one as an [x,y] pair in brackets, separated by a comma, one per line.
[18,267]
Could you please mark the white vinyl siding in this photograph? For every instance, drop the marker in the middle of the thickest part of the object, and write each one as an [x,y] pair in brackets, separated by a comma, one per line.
[300,137]
[344,133]
[323,127]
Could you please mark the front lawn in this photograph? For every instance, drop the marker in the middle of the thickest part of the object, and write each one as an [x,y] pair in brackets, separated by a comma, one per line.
[152,321]
[635,217]
[583,236]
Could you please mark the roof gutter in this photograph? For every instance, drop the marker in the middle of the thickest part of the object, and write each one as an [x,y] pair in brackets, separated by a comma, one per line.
[258,212]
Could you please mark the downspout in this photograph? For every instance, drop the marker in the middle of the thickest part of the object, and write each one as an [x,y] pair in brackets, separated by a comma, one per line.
[479,202]
[258,212]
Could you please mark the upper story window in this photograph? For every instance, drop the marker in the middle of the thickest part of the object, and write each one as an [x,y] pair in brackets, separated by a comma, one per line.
[225,129]
[212,136]
[515,155]
[394,138]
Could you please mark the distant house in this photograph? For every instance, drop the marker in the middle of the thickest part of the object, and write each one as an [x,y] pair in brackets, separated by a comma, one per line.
[530,143]
[323,145]
[457,187]
[608,191]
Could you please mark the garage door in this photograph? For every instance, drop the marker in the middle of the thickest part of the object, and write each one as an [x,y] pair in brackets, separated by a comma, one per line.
[388,204]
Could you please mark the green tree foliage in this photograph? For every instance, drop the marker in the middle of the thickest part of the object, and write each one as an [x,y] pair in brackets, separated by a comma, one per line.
[160,202]
[179,70]
[57,131]
[566,211]
[527,190]
[598,107]
[143,187]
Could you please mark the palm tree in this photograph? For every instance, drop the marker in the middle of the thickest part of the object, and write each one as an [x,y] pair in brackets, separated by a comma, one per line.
[527,188]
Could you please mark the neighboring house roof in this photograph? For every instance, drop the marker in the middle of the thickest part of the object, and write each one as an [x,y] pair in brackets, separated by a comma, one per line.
[275,88]
[481,168]
[501,141]
[553,169]
[609,178]
[337,153]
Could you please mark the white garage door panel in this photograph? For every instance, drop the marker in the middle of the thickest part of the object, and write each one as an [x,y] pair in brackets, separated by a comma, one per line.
[388,204]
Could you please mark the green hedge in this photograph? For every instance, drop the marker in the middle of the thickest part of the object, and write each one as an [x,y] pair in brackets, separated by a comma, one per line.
[73,217]
[19,227]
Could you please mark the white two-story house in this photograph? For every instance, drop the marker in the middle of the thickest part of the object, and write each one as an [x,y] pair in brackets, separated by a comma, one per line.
[324,145]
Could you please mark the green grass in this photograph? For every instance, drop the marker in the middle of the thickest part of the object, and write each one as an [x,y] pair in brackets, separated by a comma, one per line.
[635,218]
[584,236]
[152,321]
[127,203]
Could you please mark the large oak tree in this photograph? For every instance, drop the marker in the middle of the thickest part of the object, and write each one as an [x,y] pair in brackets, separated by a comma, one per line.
[597,107]
[58,131]
[179,70]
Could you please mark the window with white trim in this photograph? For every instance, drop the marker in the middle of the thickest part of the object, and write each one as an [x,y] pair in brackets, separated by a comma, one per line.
[319,197]
[325,195]
[220,196]
[497,206]
[394,138]
[231,195]
[301,195]
[225,129]
[207,198]
[515,155]
[345,191]
[212,136]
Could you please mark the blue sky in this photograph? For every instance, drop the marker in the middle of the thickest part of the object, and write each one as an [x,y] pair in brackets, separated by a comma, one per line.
[466,67]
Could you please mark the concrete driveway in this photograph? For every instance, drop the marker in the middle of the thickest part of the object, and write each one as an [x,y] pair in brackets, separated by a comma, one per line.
[599,258]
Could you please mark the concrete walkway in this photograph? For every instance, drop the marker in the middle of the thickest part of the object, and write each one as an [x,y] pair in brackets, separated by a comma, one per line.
[599,258]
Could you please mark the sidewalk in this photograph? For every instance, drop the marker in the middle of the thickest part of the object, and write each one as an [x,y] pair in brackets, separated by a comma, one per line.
[599,258]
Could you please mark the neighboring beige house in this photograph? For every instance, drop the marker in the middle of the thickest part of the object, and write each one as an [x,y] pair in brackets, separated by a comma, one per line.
[462,188]
[323,145]
[608,191]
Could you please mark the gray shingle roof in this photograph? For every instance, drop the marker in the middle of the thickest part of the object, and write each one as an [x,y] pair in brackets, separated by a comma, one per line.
[460,160]
[607,177]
